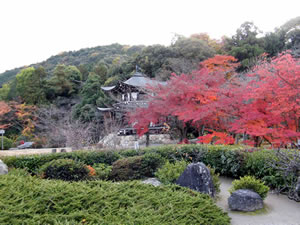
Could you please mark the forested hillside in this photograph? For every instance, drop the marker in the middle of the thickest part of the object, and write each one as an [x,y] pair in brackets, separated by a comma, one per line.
[60,95]
[87,57]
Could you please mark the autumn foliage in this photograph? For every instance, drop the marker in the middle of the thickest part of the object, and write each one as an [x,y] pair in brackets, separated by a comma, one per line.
[263,104]
[4,109]
[17,116]
[273,96]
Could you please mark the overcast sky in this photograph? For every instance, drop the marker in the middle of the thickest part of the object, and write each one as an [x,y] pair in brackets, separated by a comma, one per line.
[34,30]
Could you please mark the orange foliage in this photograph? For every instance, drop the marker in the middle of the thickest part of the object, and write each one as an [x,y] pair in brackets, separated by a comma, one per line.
[24,114]
[92,171]
[216,138]
[4,109]
[221,63]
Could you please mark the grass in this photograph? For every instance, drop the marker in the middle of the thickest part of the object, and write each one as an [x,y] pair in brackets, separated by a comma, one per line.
[30,200]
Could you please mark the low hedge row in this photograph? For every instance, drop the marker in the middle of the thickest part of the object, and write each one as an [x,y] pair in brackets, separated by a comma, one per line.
[29,200]
[33,163]
[232,161]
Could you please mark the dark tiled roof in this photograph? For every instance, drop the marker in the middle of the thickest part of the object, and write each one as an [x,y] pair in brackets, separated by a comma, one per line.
[137,80]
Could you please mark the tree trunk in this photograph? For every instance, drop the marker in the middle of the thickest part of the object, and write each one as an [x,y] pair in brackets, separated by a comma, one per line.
[236,139]
[257,141]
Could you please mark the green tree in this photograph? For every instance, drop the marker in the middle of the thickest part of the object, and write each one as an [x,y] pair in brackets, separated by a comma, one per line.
[4,91]
[75,77]
[66,81]
[153,58]
[274,42]
[30,85]
[245,46]
[101,71]
[192,48]
[84,70]
[91,97]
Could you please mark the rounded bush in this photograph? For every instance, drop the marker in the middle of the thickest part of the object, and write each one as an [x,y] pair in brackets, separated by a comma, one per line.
[251,183]
[102,171]
[170,172]
[136,167]
[7,143]
[65,169]
[126,169]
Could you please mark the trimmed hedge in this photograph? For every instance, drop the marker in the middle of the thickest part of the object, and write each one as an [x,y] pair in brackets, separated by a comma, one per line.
[135,167]
[232,161]
[29,200]
[65,169]
[34,162]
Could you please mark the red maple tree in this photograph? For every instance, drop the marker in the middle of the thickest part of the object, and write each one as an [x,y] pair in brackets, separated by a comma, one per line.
[263,104]
[195,98]
[272,112]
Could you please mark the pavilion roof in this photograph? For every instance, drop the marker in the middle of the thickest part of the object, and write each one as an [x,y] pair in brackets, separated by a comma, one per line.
[138,80]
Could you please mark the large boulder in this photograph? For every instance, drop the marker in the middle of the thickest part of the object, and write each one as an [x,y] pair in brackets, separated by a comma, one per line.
[3,168]
[245,200]
[197,177]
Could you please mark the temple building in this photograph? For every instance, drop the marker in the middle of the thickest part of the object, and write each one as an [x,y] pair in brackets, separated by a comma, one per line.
[128,96]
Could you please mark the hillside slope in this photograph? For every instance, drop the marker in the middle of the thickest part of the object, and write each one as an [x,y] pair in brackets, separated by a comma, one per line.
[86,56]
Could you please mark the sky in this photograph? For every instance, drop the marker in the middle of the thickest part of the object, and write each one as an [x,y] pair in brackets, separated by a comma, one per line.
[33,30]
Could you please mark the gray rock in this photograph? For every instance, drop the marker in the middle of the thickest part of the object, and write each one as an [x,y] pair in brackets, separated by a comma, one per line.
[197,177]
[245,200]
[152,181]
[3,168]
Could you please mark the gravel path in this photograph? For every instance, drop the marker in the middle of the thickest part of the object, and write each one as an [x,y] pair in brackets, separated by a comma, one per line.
[279,210]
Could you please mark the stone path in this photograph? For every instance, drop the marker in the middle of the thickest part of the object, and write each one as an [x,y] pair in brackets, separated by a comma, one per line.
[279,210]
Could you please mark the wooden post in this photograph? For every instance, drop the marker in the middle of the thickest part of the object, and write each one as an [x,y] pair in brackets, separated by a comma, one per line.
[147,139]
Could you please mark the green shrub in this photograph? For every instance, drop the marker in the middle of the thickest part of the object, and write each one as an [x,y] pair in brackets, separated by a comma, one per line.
[170,172]
[225,161]
[258,164]
[150,163]
[126,169]
[29,200]
[251,183]
[65,169]
[7,143]
[135,167]
[129,153]
[33,163]
[102,171]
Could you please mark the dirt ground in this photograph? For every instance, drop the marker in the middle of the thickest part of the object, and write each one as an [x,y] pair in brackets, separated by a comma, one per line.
[278,210]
